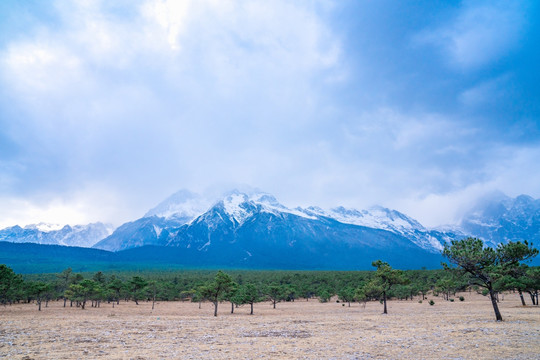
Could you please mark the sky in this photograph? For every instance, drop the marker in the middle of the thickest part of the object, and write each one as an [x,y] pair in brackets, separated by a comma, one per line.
[107,108]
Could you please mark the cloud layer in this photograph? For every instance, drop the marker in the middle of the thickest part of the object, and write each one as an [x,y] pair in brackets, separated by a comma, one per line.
[108,108]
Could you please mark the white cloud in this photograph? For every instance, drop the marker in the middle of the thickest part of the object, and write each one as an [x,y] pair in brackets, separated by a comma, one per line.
[173,94]
[486,92]
[91,203]
[481,33]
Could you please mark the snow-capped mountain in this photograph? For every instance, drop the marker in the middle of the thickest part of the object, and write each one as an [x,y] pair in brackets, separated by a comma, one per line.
[378,217]
[52,234]
[237,211]
[253,227]
[257,231]
[498,218]
[178,209]
[182,206]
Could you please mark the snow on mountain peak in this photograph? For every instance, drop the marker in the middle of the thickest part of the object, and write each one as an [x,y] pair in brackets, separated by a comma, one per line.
[234,205]
[375,217]
[240,205]
[44,227]
[183,204]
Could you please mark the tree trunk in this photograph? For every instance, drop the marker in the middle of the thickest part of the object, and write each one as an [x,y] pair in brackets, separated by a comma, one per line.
[521,297]
[153,302]
[274,303]
[232,308]
[39,304]
[384,300]
[251,313]
[65,302]
[215,308]
[532,297]
[493,297]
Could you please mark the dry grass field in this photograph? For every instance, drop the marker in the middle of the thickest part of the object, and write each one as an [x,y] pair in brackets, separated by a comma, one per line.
[299,330]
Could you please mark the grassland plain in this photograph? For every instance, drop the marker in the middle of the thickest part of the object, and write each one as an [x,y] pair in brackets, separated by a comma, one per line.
[294,330]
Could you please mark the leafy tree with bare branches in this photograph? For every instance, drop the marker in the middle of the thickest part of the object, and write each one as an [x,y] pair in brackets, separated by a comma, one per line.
[486,265]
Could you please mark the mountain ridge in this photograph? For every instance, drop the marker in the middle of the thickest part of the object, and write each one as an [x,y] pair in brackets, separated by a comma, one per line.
[252,228]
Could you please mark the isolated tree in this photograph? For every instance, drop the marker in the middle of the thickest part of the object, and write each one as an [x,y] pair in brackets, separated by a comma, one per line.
[38,290]
[216,289]
[137,284]
[249,294]
[486,265]
[275,293]
[386,277]
[115,285]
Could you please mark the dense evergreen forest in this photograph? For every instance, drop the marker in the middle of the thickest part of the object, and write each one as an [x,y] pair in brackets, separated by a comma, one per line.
[485,270]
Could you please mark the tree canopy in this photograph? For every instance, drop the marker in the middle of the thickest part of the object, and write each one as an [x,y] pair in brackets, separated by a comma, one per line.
[486,265]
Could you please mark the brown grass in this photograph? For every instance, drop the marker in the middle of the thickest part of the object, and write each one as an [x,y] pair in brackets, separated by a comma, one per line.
[299,330]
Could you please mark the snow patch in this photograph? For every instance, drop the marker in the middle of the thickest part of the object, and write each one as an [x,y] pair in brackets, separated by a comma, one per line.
[44,227]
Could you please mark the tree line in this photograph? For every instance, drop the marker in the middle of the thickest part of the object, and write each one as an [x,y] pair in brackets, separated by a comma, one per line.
[472,266]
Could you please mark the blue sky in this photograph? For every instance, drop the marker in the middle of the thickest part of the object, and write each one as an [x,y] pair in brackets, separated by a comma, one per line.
[421,106]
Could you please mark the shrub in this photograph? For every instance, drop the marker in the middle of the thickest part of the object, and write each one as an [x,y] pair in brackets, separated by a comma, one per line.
[461,298]
[419,301]
[485,292]
[431,302]
[451,300]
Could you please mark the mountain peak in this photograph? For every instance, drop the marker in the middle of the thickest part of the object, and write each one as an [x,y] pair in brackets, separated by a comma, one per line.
[183,204]
[44,227]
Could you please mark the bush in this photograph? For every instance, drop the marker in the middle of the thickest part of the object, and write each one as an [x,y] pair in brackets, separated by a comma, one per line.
[461,298]
[419,301]
[485,292]
[451,300]
[431,302]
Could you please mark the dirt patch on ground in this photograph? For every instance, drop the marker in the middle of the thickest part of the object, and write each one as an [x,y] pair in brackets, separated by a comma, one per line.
[299,330]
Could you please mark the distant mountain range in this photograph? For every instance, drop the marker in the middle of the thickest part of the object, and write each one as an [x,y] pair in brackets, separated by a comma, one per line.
[252,229]
[78,235]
